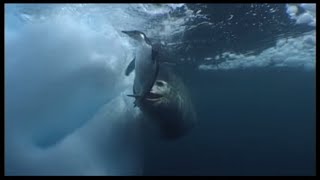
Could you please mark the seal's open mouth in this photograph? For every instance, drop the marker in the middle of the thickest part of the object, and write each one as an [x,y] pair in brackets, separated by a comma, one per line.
[153,96]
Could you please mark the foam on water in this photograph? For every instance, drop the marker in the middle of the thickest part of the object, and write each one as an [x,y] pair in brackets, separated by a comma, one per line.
[296,52]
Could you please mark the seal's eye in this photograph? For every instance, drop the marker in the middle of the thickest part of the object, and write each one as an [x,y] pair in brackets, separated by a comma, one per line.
[159,83]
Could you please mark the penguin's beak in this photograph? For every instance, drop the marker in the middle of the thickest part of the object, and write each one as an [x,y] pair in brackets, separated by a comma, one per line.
[133,34]
[126,32]
[129,33]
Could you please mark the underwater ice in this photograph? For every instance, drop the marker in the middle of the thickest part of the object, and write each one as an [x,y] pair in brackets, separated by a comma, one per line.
[66,110]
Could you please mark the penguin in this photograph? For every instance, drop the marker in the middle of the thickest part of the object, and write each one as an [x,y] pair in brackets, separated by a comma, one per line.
[144,63]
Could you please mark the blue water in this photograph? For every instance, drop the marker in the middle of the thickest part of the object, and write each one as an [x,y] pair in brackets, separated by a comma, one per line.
[252,123]
[250,70]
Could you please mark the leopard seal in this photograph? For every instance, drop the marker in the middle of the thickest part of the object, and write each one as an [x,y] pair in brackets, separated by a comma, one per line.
[168,106]
[162,97]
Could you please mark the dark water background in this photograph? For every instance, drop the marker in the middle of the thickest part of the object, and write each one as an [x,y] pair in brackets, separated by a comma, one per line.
[251,123]
[258,121]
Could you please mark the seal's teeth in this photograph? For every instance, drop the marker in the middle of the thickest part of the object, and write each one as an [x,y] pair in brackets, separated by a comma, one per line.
[153,95]
[149,99]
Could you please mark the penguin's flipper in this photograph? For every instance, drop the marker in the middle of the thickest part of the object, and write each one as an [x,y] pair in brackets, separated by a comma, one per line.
[130,67]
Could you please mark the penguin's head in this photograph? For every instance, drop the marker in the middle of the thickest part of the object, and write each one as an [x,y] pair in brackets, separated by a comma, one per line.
[138,36]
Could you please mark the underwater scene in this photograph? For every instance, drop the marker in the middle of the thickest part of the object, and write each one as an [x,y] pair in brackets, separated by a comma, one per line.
[160,89]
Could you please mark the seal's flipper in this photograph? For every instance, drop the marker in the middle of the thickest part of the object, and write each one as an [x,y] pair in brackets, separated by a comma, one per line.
[130,67]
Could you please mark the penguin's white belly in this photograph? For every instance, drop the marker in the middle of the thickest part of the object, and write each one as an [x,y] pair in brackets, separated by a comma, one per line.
[145,70]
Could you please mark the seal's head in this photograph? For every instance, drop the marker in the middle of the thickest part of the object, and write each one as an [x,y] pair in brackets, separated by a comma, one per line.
[159,95]
[169,107]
